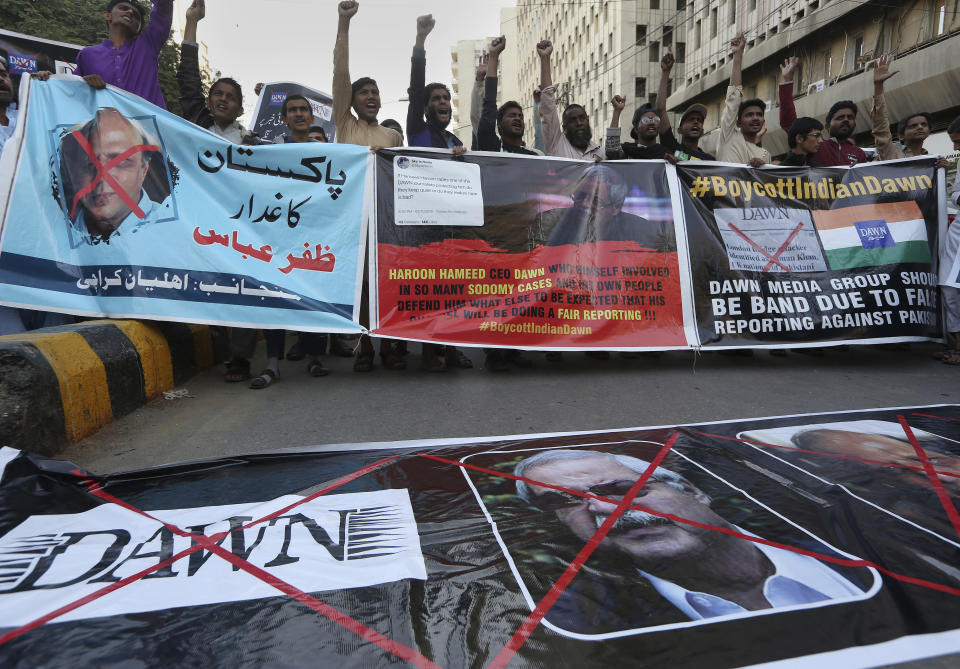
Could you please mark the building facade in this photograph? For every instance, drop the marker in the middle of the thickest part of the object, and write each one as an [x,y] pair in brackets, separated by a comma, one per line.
[601,49]
[837,42]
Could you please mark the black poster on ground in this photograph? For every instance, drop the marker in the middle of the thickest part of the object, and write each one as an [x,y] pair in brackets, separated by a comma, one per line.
[710,545]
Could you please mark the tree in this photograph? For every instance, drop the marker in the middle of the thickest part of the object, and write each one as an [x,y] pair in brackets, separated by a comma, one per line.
[81,22]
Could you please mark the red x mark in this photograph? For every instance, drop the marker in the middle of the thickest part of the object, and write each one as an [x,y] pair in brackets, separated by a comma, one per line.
[773,258]
[211,544]
[103,174]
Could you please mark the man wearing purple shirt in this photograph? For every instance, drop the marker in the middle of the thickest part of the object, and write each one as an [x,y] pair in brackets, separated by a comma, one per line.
[129,58]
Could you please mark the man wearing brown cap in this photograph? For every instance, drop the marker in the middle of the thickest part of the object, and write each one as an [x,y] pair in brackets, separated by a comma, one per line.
[691,122]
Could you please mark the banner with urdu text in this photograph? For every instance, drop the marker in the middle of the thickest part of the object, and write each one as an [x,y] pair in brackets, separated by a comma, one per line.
[512,251]
[112,206]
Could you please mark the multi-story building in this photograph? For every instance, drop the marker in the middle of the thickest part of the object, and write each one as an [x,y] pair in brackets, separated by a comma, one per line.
[837,42]
[465,57]
[601,49]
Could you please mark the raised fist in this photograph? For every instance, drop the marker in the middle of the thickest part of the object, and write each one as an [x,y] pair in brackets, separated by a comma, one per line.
[348,8]
[544,48]
[425,24]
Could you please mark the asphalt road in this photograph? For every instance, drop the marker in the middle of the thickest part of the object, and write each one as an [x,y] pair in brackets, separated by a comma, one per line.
[220,419]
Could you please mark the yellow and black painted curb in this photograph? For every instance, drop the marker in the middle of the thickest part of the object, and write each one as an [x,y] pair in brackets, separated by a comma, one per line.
[59,385]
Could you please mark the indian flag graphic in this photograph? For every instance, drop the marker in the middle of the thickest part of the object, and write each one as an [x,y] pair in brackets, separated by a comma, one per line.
[873,234]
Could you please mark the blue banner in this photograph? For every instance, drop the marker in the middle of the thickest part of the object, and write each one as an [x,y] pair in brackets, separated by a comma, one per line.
[111,206]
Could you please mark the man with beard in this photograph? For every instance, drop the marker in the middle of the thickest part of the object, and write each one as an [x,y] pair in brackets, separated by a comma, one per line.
[697,572]
[129,59]
[429,112]
[596,215]
[569,136]
[741,124]
[839,149]
[223,105]
[646,130]
[691,121]
[428,116]
[508,119]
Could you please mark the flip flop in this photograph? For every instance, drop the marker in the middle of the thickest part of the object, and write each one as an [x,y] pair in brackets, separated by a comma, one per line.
[266,377]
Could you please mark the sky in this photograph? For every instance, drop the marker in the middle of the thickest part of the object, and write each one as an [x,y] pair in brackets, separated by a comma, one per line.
[292,40]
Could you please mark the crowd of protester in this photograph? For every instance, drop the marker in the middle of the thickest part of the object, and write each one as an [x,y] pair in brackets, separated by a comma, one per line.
[128,59]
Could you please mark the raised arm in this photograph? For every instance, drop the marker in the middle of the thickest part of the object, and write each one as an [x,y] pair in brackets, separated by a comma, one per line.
[476,95]
[738,44]
[788,113]
[161,19]
[549,115]
[418,67]
[886,149]
[188,71]
[487,139]
[342,91]
[728,120]
[666,64]
[613,147]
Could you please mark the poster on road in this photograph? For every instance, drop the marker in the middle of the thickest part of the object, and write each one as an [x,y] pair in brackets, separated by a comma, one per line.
[832,535]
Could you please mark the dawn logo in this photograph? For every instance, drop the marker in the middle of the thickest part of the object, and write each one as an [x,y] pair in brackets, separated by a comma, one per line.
[276,99]
[330,542]
[874,234]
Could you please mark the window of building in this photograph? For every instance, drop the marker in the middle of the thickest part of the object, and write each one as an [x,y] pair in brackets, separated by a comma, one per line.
[641,35]
[640,87]
[827,64]
[667,35]
[940,17]
[732,12]
[680,52]
[713,22]
[753,5]
[856,53]
[654,52]
[654,4]
[696,35]
[681,5]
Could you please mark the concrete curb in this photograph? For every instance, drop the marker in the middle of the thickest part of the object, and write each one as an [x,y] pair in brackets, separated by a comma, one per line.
[62,384]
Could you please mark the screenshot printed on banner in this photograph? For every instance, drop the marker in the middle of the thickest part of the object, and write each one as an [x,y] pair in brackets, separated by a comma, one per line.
[436,192]
[770,239]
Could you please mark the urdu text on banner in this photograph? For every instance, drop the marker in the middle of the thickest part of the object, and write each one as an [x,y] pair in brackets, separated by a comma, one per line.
[115,207]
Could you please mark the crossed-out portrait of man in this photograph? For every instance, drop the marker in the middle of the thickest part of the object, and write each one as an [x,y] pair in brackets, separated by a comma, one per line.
[669,567]
[113,178]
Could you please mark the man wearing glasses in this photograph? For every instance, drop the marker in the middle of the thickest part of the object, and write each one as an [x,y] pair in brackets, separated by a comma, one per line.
[702,573]
[646,132]
[804,137]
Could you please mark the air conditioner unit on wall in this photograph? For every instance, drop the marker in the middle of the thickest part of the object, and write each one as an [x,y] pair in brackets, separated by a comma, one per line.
[816,86]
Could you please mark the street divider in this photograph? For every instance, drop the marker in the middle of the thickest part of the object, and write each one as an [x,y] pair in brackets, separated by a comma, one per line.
[60,385]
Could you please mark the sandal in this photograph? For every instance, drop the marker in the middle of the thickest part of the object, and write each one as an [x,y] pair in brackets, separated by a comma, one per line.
[952,359]
[393,361]
[316,368]
[363,363]
[434,363]
[457,358]
[237,371]
[266,377]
